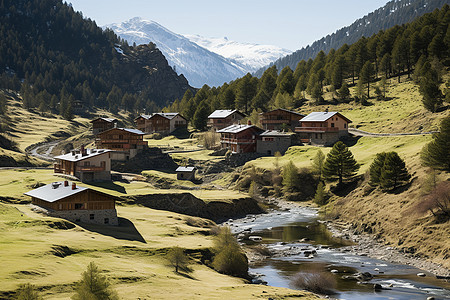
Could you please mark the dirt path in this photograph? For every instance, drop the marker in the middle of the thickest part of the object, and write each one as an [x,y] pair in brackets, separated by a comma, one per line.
[43,151]
[358,132]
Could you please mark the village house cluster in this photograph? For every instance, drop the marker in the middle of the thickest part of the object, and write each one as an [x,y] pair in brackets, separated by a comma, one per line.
[281,129]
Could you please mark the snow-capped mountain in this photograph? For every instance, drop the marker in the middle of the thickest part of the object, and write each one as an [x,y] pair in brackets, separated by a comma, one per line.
[199,65]
[251,56]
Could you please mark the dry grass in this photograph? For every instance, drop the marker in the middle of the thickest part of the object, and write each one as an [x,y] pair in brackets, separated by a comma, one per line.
[136,268]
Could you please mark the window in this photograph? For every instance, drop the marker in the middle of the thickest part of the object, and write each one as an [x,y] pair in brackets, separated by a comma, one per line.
[332,125]
[106,220]
[103,164]
[78,205]
[91,217]
[345,125]
[86,164]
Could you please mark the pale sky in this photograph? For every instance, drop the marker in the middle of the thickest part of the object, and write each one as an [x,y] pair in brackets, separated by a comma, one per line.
[291,24]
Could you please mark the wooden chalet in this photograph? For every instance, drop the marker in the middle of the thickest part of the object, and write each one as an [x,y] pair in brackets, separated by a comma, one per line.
[240,138]
[220,119]
[323,128]
[280,119]
[163,123]
[126,142]
[75,203]
[85,164]
[103,124]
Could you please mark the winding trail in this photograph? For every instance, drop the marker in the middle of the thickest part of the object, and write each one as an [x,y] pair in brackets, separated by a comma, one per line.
[34,151]
[359,132]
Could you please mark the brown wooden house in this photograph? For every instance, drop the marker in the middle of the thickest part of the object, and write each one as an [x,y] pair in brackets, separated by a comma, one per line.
[220,119]
[163,123]
[85,164]
[75,203]
[323,128]
[123,140]
[240,138]
[103,124]
[280,119]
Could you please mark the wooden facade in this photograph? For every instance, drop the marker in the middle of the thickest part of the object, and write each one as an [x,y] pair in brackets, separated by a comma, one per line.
[102,124]
[84,200]
[240,138]
[222,119]
[280,119]
[163,123]
[121,139]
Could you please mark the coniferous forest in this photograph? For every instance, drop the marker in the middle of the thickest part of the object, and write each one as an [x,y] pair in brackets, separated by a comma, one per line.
[55,57]
[418,50]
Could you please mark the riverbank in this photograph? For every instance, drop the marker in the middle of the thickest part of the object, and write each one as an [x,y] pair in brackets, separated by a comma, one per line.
[367,245]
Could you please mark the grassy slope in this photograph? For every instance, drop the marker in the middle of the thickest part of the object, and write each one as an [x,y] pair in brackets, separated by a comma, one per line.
[132,257]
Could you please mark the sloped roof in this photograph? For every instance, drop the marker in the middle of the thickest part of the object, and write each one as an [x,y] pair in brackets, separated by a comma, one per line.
[78,157]
[286,110]
[169,116]
[237,128]
[51,194]
[185,169]
[223,113]
[322,116]
[131,130]
[275,133]
[109,120]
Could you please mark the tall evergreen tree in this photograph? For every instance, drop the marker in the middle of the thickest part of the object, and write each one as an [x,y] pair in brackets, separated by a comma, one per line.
[367,73]
[290,176]
[394,172]
[201,117]
[340,163]
[93,285]
[317,163]
[375,169]
[436,154]
[245,92]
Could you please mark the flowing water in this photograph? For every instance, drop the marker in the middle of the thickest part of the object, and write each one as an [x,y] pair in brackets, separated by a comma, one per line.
[304,245]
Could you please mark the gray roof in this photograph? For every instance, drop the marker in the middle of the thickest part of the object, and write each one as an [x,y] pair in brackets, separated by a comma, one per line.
[185,169]
[110,120]
[219,114]
[236,128]
[169,116]
[321,116]
[286,110]
[76,156]
[135,131]
[275,133]
[51,194]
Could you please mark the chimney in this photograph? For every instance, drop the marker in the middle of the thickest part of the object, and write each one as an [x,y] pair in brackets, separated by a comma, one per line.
[249,122]
[66,183]
[326,110]
[74,186]
[83,150]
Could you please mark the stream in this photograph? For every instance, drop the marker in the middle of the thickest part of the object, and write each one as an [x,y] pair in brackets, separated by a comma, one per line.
[302,244]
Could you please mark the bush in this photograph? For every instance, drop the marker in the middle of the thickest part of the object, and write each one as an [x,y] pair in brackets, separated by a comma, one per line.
[319,282]
[27,292]
[156,136]
[211,139]
[229,259]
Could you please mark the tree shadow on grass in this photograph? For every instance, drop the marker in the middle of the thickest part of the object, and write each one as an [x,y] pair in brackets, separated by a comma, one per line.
[109,185]
[124,231]
[186,275]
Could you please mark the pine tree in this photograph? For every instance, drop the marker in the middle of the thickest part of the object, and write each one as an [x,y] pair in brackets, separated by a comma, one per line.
[290,176]
[93,285]
[367,73]
[375,169]
[436,154]
[245,92]
[320,195]
[394,172]
[343,93]
[317,163]
[200,118]
[340,163]
[431,94]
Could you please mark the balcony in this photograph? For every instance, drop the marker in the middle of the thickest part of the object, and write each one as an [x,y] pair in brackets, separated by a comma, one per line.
[90,168]
[237,141]
[316,129]
[58,168]
[268,121]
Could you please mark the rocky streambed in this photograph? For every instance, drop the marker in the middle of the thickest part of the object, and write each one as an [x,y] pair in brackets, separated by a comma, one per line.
[291,240]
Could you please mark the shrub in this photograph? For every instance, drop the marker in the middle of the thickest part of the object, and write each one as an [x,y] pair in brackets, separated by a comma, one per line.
[319,282]
[211,139]
[27,292]
[229,259]
[320,198]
